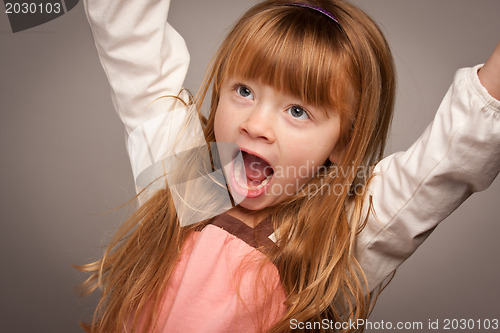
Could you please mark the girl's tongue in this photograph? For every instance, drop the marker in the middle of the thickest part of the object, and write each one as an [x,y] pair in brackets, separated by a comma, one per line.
[256,168]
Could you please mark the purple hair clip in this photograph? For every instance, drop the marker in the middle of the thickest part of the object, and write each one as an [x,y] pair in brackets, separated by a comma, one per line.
[316,8]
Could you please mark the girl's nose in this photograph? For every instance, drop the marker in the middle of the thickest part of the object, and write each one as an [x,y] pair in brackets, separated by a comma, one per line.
[259,125]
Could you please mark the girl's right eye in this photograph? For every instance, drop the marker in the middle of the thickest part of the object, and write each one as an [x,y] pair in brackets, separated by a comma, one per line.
[243,91]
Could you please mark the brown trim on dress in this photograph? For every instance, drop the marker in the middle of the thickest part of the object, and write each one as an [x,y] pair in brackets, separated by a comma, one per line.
[257,237]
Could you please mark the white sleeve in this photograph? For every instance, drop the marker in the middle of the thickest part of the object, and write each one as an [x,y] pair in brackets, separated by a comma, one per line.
[144,59]
[143,56]
[412,191]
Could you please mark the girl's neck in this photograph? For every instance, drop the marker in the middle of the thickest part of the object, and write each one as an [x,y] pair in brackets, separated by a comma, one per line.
[250,217]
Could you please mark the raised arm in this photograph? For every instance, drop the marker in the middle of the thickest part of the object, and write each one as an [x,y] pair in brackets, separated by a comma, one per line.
[145,59]
[143,56]
[458,154]
[489,75]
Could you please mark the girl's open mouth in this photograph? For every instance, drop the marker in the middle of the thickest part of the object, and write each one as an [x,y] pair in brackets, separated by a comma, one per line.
[250,174]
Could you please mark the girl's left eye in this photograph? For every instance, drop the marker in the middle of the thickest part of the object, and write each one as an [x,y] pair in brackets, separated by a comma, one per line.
[244,91]
[298,112]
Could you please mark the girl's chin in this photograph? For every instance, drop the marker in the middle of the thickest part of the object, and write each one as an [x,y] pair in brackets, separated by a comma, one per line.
[254,204]
[266,200]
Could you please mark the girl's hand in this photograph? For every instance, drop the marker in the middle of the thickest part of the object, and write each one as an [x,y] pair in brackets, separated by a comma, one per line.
[489,75]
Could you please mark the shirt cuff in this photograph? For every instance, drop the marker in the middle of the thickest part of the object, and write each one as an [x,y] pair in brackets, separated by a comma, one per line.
[491,103]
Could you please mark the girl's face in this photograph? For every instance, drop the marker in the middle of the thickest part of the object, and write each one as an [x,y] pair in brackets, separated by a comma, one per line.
[282,141]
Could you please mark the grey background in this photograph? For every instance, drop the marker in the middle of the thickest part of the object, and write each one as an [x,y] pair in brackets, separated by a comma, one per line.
[64,165]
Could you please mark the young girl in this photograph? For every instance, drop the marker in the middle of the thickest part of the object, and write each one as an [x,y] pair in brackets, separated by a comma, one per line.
[315,223]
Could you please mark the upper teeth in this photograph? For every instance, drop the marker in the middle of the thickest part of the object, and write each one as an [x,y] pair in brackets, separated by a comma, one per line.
[238,170]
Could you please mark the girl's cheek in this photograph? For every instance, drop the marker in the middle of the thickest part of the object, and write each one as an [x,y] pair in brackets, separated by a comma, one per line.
[218,124]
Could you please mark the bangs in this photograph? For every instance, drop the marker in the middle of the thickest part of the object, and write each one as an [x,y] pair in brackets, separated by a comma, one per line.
[296,51]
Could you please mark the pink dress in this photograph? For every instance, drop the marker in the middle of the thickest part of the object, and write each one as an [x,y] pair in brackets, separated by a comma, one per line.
[222,282]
